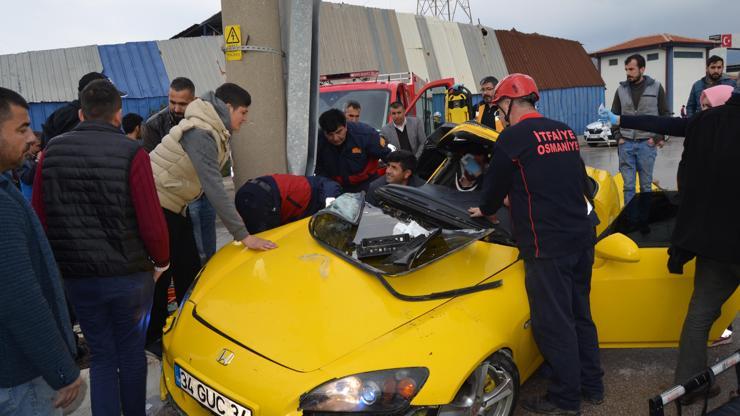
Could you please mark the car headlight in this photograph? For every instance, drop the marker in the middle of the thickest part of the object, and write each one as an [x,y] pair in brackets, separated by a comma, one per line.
[381,391]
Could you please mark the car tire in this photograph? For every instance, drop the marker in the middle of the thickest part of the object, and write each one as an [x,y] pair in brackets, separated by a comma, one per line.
[496,396]
[593,144]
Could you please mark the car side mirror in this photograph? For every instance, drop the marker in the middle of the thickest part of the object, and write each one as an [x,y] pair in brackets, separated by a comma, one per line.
[618,247]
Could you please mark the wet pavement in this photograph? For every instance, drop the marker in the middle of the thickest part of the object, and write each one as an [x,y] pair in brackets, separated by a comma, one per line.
[666,163]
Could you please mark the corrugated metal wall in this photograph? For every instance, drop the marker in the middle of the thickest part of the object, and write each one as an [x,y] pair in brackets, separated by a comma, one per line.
[452,58]
[484,53]
[137,69]
[199,59]
[412,45]
[354,38]
[48,76]
[576,107]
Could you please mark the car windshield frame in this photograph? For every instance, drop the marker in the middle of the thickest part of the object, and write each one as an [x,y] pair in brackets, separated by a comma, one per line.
[344,230]
[374,102]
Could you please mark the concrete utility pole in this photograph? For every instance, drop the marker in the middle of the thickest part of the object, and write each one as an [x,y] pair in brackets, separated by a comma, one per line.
[260,147]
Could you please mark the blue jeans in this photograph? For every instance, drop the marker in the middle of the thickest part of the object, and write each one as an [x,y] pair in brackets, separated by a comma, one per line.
[636,156]
[33,398]
[114,313]
[203,217]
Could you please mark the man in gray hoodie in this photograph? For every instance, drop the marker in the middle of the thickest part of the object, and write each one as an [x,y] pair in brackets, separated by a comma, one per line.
[187,163]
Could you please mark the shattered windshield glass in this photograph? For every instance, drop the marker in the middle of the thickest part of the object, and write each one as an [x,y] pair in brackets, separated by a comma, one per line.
[390,242]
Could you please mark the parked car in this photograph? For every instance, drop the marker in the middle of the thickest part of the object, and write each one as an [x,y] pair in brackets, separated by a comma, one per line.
[407,308]
[599,133]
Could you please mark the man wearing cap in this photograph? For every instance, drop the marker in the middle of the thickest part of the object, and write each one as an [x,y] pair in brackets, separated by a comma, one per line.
[66,117]
[94,193]
[273,200]
[555,237]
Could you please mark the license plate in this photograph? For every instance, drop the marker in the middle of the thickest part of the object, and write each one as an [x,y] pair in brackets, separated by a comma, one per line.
[208,397]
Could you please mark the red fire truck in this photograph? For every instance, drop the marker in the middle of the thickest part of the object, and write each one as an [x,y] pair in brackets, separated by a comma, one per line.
[375,92]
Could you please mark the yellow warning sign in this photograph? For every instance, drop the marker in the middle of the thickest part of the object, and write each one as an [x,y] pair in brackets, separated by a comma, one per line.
[233,36]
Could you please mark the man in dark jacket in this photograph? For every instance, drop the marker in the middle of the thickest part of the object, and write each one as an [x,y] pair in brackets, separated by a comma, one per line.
[94,192]
[555,237]
[35,331]
[66,117]
[271,201]
[708,225]
[182,93]
[349,152]
[713,77]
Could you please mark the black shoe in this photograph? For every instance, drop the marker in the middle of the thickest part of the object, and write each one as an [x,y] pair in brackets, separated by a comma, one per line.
[545,407]
[592,399]
[699,396]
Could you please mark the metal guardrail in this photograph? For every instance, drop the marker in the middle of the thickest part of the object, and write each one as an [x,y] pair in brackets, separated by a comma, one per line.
[705,379]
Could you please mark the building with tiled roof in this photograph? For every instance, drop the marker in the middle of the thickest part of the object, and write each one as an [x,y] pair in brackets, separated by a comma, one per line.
[675,61]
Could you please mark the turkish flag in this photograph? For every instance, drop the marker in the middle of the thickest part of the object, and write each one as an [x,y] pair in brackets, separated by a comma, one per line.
[727,41]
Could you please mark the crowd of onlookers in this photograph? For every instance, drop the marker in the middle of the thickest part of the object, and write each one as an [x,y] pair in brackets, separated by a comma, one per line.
[102,213]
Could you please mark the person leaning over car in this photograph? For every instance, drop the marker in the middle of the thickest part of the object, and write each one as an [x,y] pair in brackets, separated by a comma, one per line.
[349,152]
[186,163]
[538,164]
[274,200]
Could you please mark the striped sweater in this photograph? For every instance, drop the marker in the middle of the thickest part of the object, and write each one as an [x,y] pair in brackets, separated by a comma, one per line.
[35,332]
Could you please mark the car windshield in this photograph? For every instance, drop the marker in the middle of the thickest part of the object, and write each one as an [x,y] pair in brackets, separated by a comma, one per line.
[648,219]
[387,241]
[374,104]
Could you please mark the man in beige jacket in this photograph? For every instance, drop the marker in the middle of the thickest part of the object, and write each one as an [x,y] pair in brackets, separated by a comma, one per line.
[186,164]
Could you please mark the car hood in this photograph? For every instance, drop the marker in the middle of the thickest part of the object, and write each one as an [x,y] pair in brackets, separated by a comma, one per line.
[303,307]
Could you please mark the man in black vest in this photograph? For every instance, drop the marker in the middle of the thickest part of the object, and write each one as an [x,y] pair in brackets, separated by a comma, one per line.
[94,193]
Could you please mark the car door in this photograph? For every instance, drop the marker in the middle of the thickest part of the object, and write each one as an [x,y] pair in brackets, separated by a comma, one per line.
[635,301]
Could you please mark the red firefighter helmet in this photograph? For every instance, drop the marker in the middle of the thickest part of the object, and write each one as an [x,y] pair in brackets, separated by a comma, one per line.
[515,86]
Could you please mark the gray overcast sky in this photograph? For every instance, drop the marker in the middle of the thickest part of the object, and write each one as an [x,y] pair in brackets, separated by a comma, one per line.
[47,24]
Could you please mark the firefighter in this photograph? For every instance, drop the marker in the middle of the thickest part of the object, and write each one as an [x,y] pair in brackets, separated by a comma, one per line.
[349,152]
[537,163]
[270,201]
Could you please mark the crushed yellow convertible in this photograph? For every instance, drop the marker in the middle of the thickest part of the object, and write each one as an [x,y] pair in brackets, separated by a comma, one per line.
[409,308]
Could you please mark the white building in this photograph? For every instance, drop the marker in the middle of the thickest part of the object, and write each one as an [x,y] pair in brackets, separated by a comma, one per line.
[729,50]
[675,61]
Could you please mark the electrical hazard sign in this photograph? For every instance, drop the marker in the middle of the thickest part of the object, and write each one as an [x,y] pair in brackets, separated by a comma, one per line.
[233,37]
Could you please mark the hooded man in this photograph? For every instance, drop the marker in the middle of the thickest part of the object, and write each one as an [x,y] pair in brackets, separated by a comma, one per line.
[186,164]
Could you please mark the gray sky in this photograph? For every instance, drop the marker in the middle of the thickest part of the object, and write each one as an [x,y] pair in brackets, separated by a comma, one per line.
[47,24]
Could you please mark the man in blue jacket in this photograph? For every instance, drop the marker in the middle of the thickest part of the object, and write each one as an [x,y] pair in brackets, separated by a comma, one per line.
[349,152]
[537,163]
[38,374]
[714,76]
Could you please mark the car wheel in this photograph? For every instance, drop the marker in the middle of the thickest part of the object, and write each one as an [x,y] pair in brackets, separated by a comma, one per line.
[491,390]
[593,144]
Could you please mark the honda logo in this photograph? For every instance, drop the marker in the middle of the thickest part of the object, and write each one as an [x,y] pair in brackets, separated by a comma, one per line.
[225,357]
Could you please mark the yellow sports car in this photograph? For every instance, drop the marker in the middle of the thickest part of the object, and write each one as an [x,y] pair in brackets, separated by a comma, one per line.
[409,308]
